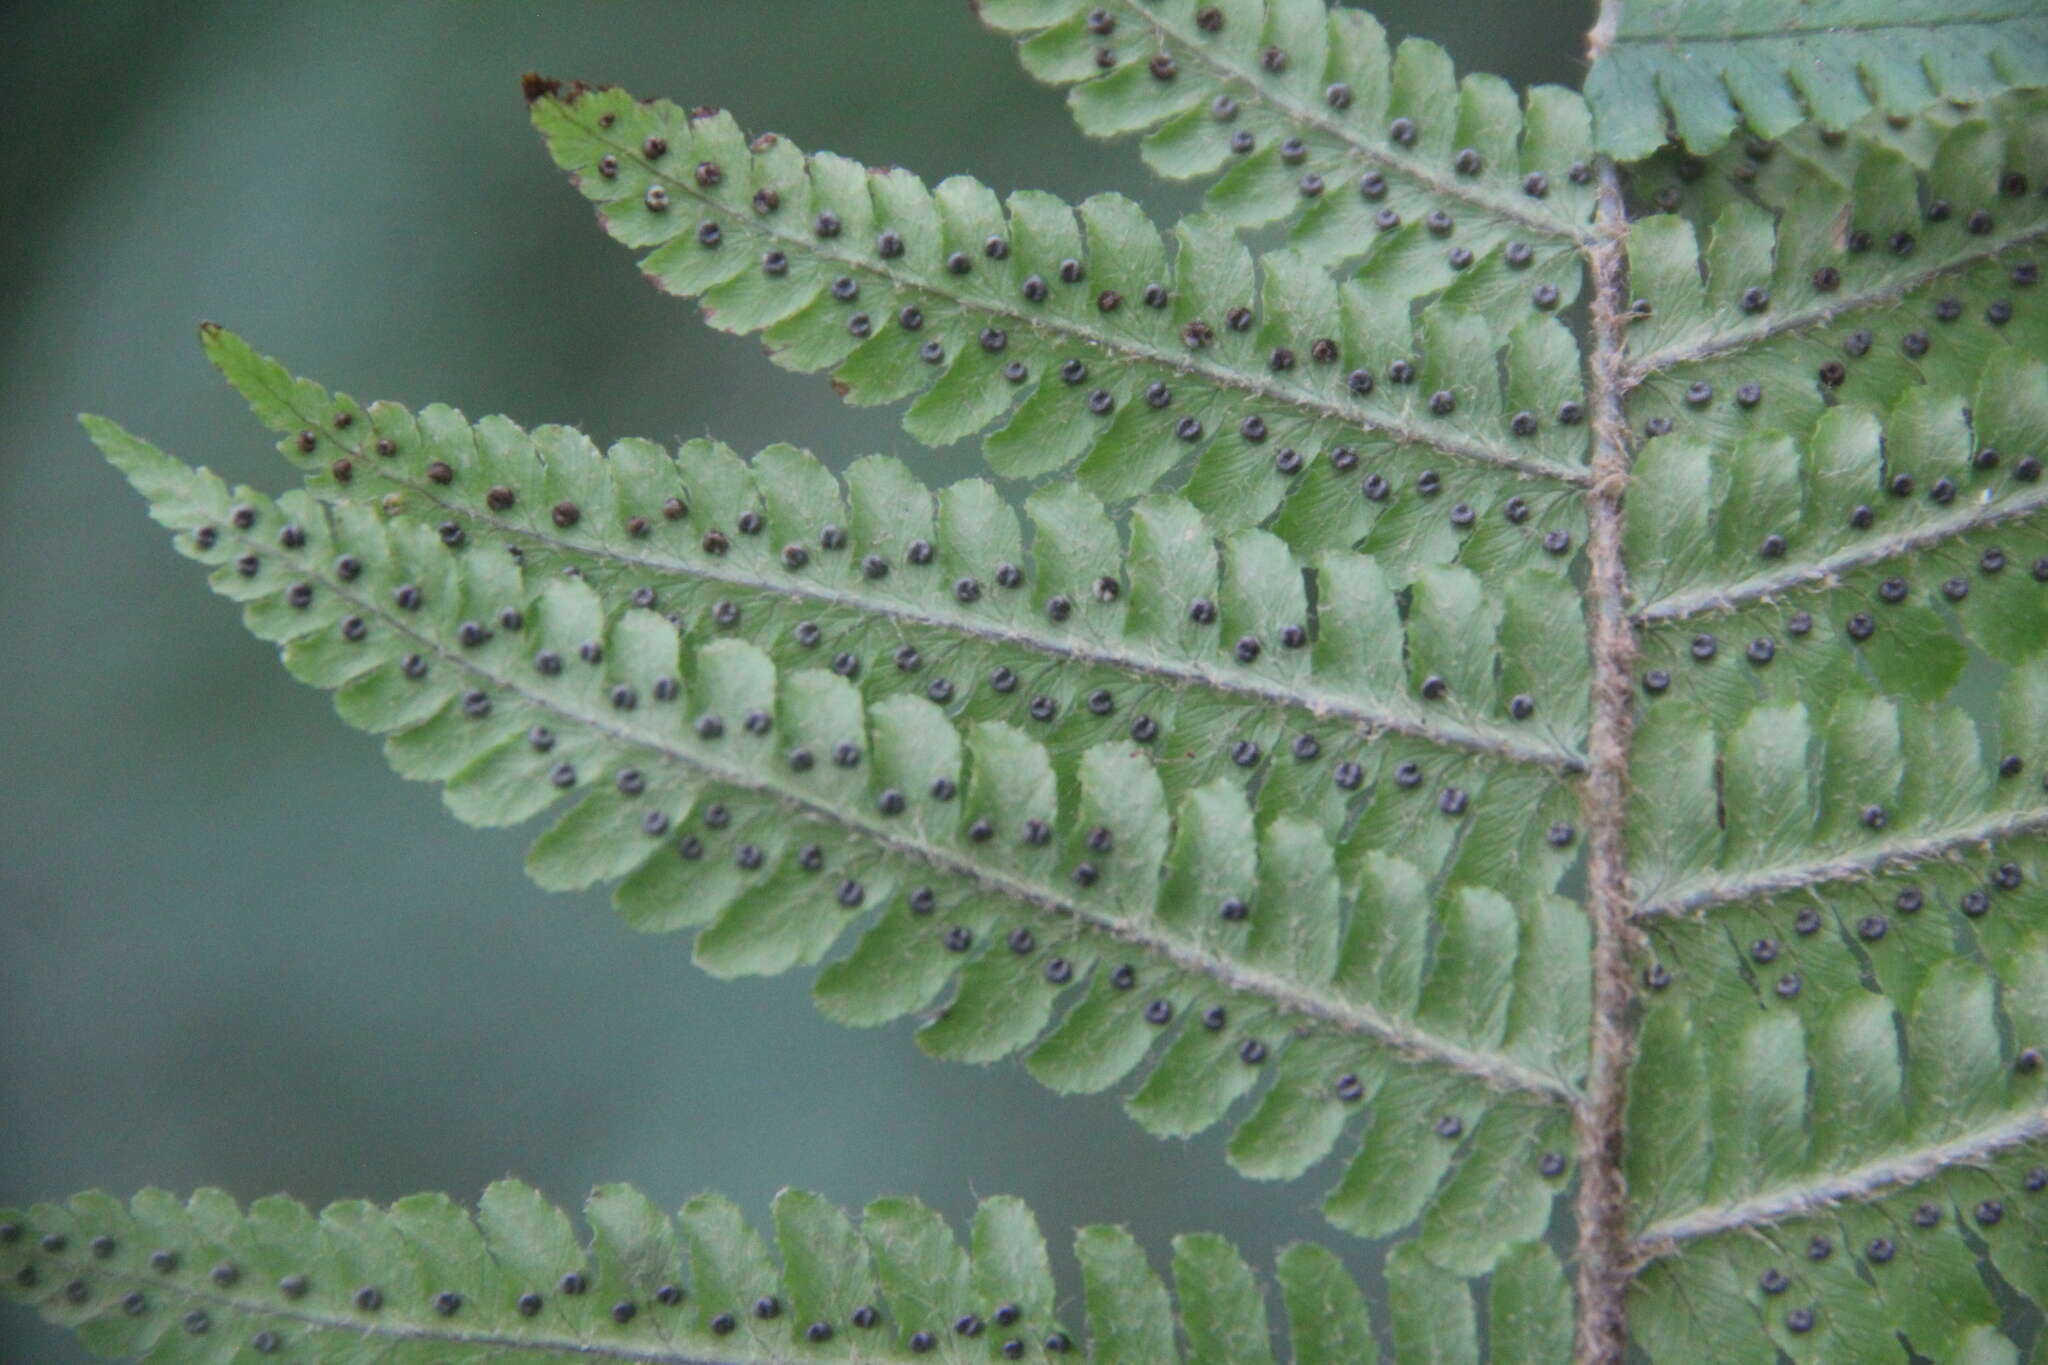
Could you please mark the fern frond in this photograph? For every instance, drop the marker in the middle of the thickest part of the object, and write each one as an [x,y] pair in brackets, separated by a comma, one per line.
[1905,602]
[1713,66]
[1838,1032]
[162,1281]
[1852,245]
[1840,1042]
[1903,542]
[1187,651]
[1103,359]
[1245,766]
[1846,1279]
[1836,409]
[1808,541]
[1300,112]
[1887,518]
[779,809]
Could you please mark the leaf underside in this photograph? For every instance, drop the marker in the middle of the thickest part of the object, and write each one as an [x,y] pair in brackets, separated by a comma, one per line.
[1706,68]
[1247,761]
[425,1279]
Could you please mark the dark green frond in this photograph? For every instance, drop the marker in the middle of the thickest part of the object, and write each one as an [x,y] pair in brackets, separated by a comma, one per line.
[1833,524]
[1839,269]
[1835,1033]
[1841,1278]
[1873,527]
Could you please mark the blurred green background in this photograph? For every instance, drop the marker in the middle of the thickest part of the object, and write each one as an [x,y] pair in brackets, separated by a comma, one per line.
[234,949]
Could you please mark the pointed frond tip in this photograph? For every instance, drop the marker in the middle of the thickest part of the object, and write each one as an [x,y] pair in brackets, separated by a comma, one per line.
[1102,356]
[782,809]
[164,1280]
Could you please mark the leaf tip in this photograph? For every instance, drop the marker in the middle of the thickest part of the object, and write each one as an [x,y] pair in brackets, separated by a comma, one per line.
[535,86]
[219,343]
[110,436]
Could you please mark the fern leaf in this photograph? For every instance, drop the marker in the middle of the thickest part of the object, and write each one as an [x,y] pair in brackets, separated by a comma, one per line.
[1765,1026]
[1884,510]
[1856,248]
[163,1280]
[1850,1280]
[777,809]
[1712,66]
[1300,111]
[905,592]
[1103,358]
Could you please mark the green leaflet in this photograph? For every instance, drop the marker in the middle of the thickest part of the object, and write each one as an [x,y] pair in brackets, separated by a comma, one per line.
[1910,786]
[1711,66]
[1842,271]
[1822,1063]
[1846,1283]
[1300,111]
[1867,849]
[908,592]
[165,1281]
[1116,364]
[1819,568]
[1893,533]
[1433,1321]
[1831,1043]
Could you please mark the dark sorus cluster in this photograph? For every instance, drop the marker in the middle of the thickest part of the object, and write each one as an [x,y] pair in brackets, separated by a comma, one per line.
[1483,697]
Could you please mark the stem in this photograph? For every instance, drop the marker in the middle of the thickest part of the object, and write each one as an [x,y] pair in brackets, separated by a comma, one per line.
[1604,1268]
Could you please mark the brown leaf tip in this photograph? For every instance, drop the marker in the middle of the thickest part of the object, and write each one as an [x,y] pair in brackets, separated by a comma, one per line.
[534,86]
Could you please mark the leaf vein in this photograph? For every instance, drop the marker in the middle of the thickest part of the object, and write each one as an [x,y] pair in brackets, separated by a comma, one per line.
[1823,571]
[1871,1179]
